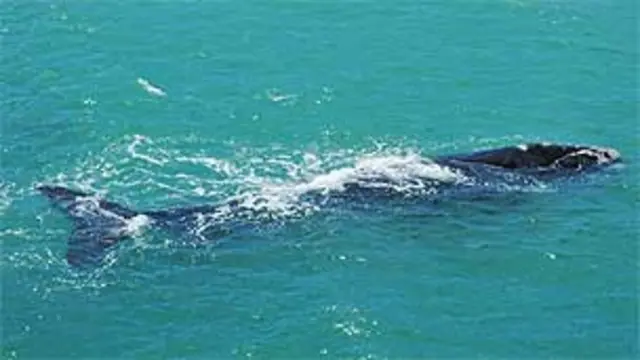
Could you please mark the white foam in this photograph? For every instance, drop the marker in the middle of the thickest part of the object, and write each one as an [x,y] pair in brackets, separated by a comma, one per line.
[5,196]
[403,174]
[385,170]
[277,96]
[215,164]
[131,149]
[136,225]
[150,88]
[405,167]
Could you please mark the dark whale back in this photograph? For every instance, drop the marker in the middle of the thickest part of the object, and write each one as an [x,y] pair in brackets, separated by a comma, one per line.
[539,155]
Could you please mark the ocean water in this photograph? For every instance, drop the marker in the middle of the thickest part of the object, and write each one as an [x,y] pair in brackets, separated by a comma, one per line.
[165,103]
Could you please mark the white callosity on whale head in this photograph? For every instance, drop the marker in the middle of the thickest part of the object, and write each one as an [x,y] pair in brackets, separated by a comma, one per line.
[589,155]
[610,155]
[546,154]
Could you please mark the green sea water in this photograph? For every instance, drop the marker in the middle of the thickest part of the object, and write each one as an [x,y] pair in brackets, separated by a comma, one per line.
[165,103]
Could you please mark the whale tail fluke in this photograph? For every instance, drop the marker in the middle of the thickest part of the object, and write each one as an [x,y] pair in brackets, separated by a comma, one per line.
[99,225]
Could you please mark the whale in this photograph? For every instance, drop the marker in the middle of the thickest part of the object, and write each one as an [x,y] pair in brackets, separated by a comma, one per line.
[99,225]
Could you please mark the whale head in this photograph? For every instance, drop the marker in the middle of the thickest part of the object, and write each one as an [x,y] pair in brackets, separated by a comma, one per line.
[573,157]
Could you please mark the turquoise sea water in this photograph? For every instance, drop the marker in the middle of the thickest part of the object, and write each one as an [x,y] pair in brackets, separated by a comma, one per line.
[161,103]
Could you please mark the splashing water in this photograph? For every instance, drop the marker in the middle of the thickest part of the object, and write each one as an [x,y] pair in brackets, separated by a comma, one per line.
[267,183]
[272,179]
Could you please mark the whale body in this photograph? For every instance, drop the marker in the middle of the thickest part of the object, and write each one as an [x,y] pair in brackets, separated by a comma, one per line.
[100,225]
